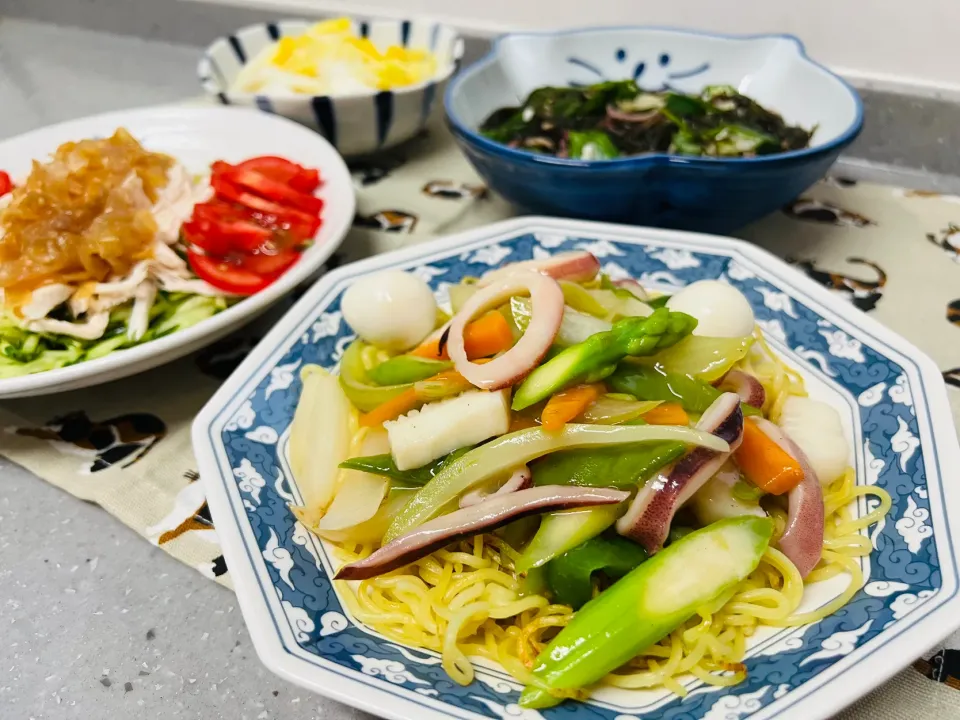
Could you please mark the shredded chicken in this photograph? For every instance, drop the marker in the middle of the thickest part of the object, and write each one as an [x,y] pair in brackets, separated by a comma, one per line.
[44,300]
[140,315]
[90,329]
[125,286]
[166,257]
[175,203]
[173,283]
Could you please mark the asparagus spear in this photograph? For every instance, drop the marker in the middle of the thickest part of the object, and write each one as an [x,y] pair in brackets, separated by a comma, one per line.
[597,356]
[646,605]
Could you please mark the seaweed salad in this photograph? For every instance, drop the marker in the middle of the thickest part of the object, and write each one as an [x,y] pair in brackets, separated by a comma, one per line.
[617,119]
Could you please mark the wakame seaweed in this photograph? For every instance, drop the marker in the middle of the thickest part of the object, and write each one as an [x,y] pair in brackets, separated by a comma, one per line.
[616,119]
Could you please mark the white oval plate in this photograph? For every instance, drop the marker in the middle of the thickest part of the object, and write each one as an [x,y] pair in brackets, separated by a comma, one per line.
[196,137]
[890,396]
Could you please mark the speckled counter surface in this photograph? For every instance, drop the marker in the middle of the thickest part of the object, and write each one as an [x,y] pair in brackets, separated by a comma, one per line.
[98,624]
[94,622]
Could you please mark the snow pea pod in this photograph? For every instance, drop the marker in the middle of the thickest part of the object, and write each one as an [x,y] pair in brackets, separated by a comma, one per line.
[622,468]
[385,466]
[646,382]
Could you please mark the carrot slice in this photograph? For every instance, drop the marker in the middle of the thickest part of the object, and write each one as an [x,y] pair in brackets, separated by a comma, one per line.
[564,406]
[667,414]
[487,336]
[766,464]
[430,348]
[483,337]
[391,409]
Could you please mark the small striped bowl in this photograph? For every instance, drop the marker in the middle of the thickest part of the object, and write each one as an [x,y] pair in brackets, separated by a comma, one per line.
[356,124]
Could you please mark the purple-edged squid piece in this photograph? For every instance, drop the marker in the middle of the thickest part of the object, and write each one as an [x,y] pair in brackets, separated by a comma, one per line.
[746,386]
[521,479]
[493,512]
[802,540]
[651,512]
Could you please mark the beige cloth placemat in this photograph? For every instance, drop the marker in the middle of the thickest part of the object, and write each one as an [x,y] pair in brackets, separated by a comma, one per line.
[126,445]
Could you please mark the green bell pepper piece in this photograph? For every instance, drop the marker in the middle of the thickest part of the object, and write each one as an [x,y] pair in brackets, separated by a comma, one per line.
[658,302]
[678,533]
[686,143]
[571,575]
[597,356]
[406,369]
[653,383]
[591,145]
[646,605]
[357,385]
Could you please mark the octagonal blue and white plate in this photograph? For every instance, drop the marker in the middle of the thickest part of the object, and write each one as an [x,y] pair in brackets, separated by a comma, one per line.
[891,398]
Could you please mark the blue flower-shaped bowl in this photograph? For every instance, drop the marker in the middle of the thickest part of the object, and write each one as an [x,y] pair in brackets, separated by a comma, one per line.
[715,195]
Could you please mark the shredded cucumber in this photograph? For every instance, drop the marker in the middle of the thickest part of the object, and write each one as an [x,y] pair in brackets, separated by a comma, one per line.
[23,352]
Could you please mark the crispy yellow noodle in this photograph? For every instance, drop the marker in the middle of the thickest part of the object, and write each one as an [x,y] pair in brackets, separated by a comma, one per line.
[465,601]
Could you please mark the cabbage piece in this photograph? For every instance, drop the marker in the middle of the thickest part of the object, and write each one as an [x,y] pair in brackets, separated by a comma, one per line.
[459,294]
[705,358]
[612,411]
[574,328]
[356,382]
[320,437]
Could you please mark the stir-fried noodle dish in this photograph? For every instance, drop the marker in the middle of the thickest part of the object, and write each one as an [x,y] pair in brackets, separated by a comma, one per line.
[583,481]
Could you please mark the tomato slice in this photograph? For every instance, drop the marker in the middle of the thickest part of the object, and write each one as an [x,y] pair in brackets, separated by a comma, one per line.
[295,229]
[227,276]
[217,210]
[264,262]
[219,167]
[6,185]
[296,176]
[221,229]
[275,190]
[230,192]
[200,233]
[286,228]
